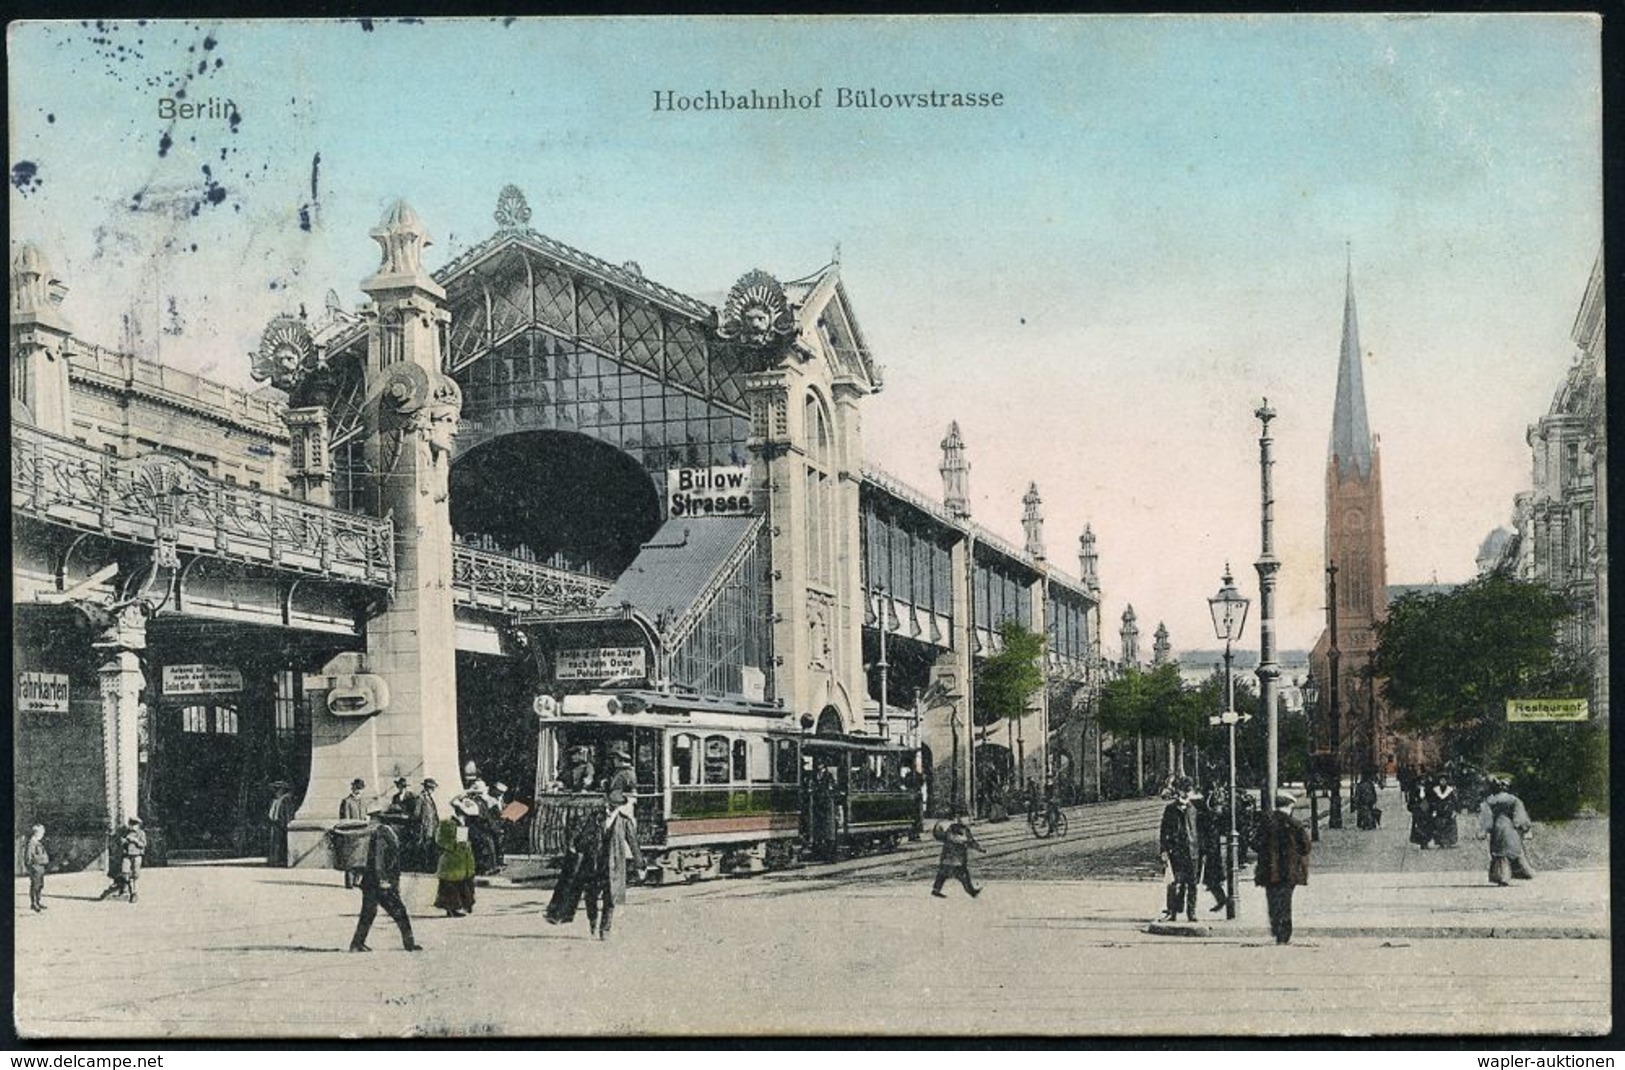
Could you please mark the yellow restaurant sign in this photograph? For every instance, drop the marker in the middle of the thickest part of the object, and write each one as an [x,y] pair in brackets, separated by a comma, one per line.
[1548,709]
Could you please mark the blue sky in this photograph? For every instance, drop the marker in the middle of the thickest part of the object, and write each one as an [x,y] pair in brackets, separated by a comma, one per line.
[1098,280]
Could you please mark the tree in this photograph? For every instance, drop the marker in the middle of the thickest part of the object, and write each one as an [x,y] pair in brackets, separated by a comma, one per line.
[1006,681]
[1450,661]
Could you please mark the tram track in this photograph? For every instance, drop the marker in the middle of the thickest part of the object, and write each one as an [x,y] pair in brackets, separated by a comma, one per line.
[1091,827]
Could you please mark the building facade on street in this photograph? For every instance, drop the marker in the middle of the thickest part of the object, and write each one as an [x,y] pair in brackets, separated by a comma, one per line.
[525,474]
[1561,523]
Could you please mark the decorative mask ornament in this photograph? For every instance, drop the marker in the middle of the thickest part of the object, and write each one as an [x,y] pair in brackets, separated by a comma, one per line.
[757,316]
[286,353]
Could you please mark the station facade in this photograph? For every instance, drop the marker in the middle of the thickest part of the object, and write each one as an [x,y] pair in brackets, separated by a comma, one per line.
[526,474]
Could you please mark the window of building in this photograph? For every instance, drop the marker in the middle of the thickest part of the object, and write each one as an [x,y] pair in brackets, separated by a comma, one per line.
[741,751]
[225,721]
[194,719]
[820,451]
[716,760]
[286,704]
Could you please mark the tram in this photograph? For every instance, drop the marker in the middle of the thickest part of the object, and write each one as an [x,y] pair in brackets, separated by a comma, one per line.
[723,787]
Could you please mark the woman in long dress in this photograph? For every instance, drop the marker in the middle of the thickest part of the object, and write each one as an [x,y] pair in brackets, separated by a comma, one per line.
[455,894]
[1443,805]
[1422,814]
[1503,819]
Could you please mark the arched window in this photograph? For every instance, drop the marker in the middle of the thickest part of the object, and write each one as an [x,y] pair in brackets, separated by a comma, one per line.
[716,759]
[820,468]
[741,773]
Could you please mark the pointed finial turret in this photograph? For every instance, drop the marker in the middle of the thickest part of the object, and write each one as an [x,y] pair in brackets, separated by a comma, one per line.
[1129,634]
[1088,561]
[955,471]
[402,237]
[1032,520]
[1161,649]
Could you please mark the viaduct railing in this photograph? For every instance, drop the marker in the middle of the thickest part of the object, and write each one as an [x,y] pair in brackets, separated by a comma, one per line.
[159,500]
[512,585]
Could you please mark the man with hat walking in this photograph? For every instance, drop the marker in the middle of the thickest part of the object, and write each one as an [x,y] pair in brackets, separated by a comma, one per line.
[1282,844]
[426,822]
[381,882]
[1180,847]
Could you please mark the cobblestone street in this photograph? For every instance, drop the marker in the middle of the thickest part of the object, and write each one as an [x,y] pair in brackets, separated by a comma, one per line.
[857,947]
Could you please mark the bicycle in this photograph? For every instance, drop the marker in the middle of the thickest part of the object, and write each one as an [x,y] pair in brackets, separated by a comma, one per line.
[1041,827]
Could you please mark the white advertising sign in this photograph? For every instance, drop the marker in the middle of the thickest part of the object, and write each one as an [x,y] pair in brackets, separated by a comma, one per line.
[201,679]
[708,492]
[600,663]
[42,692]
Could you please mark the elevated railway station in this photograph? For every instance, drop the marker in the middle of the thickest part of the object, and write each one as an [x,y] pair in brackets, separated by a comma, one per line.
[526,475]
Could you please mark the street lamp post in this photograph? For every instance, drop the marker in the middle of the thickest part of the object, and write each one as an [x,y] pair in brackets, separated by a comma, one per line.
[1334,658]
[1310,690]
[1267,565]
[1229,609]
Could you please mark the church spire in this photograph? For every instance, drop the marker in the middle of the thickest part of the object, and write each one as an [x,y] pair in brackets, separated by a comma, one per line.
[1351,432]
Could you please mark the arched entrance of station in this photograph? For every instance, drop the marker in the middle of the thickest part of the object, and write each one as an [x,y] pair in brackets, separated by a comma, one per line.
[560,496]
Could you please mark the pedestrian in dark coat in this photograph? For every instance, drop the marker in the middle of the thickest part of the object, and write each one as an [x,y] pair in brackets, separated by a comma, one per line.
[1282,844]
[957,843]
[1366,814]
[455,872]
[36,861]
[352,808]
[426,819]
[1211,826]
[583,842]
[1504,820]
[381,883]
[1421,805]
[1442,807]
[1180,847]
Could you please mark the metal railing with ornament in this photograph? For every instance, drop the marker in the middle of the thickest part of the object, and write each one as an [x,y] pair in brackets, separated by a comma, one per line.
[511,584]
[159,500]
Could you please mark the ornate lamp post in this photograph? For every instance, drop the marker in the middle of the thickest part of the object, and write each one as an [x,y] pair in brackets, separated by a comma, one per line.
[1229,609]
[1269,671]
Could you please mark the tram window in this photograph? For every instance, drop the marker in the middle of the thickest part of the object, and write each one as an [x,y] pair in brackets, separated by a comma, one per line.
[194,719]
[225,721]
[788,763]
[716,760]
[761,762]
[682,759]
[741,749]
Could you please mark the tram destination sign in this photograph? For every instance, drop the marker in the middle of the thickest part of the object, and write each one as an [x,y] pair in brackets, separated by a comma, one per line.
[1547,709]
[42,692]
[600,663]
[719,491]
[201,679]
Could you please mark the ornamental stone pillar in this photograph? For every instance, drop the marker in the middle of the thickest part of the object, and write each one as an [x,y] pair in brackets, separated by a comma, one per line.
[412,411]
[122,632]
[311,472]
[39,335]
